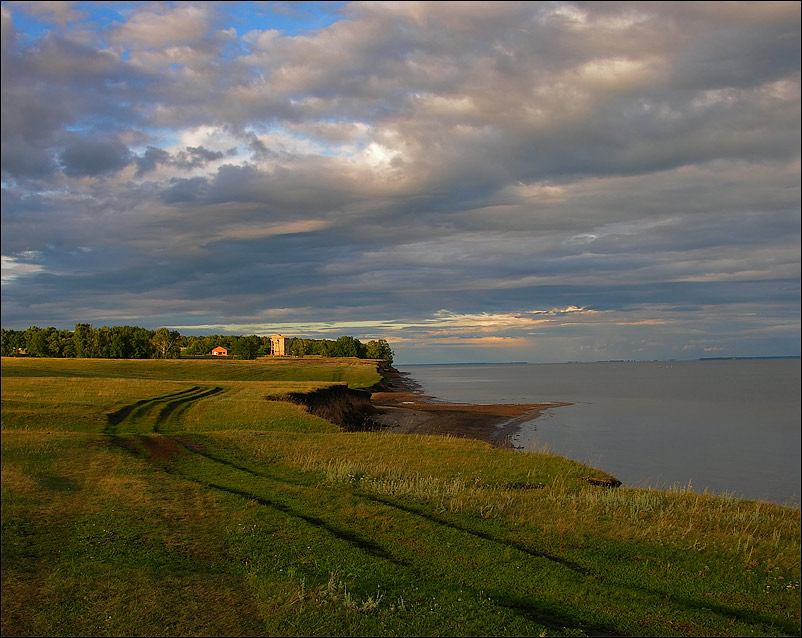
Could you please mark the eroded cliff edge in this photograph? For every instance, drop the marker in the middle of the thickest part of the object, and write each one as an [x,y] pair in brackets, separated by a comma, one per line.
[350,409]
[396,403]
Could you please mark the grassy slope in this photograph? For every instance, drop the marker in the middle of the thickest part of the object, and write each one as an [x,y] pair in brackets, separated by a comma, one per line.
[201,508]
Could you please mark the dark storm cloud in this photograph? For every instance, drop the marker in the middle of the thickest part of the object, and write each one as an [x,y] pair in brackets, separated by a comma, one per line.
[463,165]
[89,157]
[196,157]
[187,159]
[184,190]
[150,160]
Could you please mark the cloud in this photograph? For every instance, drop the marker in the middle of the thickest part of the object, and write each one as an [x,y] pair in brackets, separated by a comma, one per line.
[84,157]
[150,160]
[490,161]
[183,190]
[156,25]
[17,266]
[61,13]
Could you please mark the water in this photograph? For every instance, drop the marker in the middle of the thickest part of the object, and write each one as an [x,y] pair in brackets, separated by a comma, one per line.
[719,426]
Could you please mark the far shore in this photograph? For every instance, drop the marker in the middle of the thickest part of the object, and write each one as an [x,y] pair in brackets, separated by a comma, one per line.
[404,409]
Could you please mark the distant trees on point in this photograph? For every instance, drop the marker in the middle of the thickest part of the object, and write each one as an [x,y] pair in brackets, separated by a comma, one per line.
[133,342]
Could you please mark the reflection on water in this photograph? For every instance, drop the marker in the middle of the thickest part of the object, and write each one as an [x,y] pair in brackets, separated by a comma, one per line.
[725,426]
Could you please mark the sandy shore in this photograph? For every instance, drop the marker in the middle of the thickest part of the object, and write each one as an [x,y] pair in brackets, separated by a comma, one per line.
[404,409]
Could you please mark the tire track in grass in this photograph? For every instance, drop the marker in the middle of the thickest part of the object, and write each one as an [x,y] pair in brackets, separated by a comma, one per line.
[167,450]
[545,613]
[139,418]
[162,449]
[355,540]
[176,407]
[548,614]
[117,417]
[158,447]
[436,520]
[514,603]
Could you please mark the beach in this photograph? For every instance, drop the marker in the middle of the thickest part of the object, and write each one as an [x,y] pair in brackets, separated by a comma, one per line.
[404,409]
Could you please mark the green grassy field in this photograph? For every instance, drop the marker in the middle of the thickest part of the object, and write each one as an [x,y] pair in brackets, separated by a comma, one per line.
[173,498]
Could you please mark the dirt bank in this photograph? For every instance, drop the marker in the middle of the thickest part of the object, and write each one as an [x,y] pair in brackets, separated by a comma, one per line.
[350,409]
[398,405]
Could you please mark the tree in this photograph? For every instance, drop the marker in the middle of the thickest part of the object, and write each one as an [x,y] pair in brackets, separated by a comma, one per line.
[264,346]
[347,347]
[12,341]
[379,349]
[166,342]
[198,346]
[323,347]
[299,347]
[36,342]
[246,347]
[60,343]
[82,340]
[141,345]
[101,343]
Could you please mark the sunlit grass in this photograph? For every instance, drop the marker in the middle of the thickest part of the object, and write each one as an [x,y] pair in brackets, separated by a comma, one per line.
[357,373]
[71,404]
[245,406]
[232,514]
[533,488]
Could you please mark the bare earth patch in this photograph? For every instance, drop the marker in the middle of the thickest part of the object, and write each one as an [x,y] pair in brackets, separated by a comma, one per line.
[410,412]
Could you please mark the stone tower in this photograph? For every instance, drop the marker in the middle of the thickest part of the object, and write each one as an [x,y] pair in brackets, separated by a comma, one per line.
[278,345]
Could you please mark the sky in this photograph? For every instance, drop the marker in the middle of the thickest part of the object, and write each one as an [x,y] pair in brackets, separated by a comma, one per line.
[474,182]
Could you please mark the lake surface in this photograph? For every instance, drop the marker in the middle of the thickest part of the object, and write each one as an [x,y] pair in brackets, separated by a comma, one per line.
[720,426]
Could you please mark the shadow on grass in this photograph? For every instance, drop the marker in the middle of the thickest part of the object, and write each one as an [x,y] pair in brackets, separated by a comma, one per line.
[115,418]
[164,450]
[173,404]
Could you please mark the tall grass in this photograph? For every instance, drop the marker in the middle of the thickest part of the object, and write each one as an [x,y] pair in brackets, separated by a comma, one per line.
[754,530]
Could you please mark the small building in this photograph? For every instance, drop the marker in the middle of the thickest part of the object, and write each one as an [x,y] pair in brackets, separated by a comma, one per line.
[278,345]
[221,351]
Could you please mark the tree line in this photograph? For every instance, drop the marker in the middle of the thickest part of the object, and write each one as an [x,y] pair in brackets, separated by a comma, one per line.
[133,342]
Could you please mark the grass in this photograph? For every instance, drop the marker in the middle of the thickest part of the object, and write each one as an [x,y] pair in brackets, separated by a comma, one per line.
[357,373]
[167,501]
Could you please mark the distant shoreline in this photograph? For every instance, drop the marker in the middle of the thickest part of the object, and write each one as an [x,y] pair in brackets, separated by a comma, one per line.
[747,358]
[535,363]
